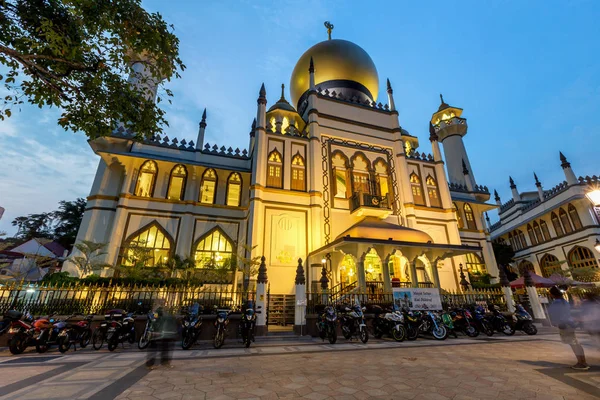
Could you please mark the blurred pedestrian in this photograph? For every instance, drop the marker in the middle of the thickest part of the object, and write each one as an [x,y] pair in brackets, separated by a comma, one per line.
[165,336]
[590,316]
[560,316]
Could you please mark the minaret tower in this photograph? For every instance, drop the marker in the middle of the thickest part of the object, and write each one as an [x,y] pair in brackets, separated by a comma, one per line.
[450,129]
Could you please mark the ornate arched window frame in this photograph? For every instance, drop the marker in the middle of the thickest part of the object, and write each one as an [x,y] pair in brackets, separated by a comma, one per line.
[474,263]
[564,219]
[382,177]
[556,224]
[209,257]
[153,249]
[525,264]
[470,216]
[275,169]
[433,192]
[538,232]
[342,186]
[178,171]
[361,179]
[298,178]
[417,189]
[233,196]
[148,170]
[582,257]
[209,181]
[531,235]
[545,231]
[549,264]
[459,219]
[574,215]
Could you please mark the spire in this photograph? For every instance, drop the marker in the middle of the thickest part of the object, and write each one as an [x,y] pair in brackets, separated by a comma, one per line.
[538,184]
[261,112]
[389,86]
[300,279]
[515,193]
[512,183]
[329,27]
[496,195]
[464,167]
[537,181]
[487,217]
[253,128]
[282,95]
[432,133]
[443,104]
[201,130]
[311,67]
[263,92]
[563,159]
[262,271]
[203,121]
[311,75]
[390,93]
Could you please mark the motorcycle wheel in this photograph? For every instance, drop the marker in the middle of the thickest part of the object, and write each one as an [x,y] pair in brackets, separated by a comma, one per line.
[322,333]
[112,345]
[17,344]
[64,343]
[85,338]
[41,344]
[97,339]
[508,330]
[219,338]
[398,334]
[144,340]
[131,337]
[332,335]
[471,331]
[530,329]
[377,332]
[364,335]
[187,341]
[439,333]
[412,333]
[346,333]
[487,329]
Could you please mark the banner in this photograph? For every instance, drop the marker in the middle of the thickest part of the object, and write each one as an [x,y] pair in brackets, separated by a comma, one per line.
[417,299]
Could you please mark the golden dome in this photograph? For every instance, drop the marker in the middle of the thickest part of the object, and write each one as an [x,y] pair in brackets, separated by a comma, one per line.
[374,228]
[335,60]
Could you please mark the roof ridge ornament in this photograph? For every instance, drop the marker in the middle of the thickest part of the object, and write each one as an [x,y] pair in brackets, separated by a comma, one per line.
[282,96]
[329,27]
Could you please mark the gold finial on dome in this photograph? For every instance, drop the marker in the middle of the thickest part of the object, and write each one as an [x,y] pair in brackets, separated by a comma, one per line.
[329,27]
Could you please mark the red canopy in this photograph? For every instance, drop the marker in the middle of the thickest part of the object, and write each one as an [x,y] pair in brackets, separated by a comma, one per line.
[538,281]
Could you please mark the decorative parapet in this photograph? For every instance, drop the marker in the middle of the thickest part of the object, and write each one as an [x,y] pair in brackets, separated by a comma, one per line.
[222,151]
[422,156]
[353,100]
[495,225]
[589,180]
[457,187]
[561,187]
[507,205]
[448,122]
[531,205]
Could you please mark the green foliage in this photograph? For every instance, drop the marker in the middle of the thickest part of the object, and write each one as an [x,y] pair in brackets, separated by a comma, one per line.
[504,253]
[59,277]
[77,55]
[89,257]
[34,226]
[248,265]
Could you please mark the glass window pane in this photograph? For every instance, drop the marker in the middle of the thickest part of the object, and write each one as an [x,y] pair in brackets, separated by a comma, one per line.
[207,194]
[175,188]
[340,183]
[233,194]
[144,184]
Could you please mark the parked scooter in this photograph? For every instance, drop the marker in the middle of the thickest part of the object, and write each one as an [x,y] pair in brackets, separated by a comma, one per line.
[353,323]
[248,324]
[327,324]
[121,329]
[388,323]
[481,322]
[22,331]
[498,322]
[449,324]
[191,326]
[49,329]
[432,324]
[149,330]
[221,323]
[75,332]
[7,319]
[411,323]
[523,321]
[463,322]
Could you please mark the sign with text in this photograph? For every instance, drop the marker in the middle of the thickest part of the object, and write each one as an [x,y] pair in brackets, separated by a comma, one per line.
[417,299]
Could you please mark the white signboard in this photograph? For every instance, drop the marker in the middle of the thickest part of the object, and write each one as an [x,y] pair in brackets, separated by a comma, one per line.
[418,299]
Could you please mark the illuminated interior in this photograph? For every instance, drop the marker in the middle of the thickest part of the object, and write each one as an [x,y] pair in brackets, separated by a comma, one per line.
[274,178]
[373,269]
[234,190]
[177,183]
[208,186]
[213,251]
[348,272]
[398,267]
[146,179]
[149,248]
[298,175]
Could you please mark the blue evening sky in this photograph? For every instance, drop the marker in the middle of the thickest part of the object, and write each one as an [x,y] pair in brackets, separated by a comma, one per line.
[526,74]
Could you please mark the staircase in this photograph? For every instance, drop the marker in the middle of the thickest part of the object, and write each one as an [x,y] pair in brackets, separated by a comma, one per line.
[339,293]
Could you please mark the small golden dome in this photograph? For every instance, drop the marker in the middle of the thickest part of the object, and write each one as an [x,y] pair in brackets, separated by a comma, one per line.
[335,60]
[374,228]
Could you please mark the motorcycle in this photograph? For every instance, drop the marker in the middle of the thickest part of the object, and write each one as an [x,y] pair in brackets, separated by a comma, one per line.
[431,323]
[149,330]
[353,323]
[498,322]
[463,322]
[22,332]
[449,324]
[389,323]
[121,329]
[7,320]
[192,323]
[49,330]
[247,325]
[481,322]
[221,323]
[75,332]
[523,321]
[327,324]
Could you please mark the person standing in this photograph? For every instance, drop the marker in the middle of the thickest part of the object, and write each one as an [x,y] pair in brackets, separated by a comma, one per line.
[560,316]
[164,341]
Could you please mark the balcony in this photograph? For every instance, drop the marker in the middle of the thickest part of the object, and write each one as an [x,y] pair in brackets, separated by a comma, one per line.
[369,205]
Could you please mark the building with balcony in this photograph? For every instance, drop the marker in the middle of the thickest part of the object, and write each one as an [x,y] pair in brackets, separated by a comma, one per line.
[554,229]
[331,177]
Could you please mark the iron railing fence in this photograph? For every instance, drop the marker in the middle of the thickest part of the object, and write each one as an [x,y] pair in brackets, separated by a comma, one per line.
[66,299]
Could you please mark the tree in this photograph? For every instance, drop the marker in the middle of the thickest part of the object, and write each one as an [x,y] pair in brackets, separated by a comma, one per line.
[89,258]
[248,265]
[77,54]
[34,226]
[504,256]
[67,219]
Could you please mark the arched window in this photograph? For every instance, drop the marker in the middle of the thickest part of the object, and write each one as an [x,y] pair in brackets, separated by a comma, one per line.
[566,223]
[146,179]
[208,187]
[575,217]
[580,257]
[513,241]
[417,191]
[545,230]
[522,240]
[214,250]
[549,264]
[538,232]
[556,223]
[148,247]
[459,220]
[298,173]
[274,172]
[469,216]
[234,190]
[382,178]
[339,162]
[523,265]
[532,237]
[432,192]
[176,189]
[361,181]
[474,264]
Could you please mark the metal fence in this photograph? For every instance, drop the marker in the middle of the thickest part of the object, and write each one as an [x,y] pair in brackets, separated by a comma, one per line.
[68,299]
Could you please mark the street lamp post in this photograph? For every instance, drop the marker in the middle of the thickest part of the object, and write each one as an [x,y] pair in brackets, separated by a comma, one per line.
[594,197]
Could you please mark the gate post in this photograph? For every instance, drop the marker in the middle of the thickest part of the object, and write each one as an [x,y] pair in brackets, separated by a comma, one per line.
[508,295]
[300,312]
[534,300]
[261,299]
[324,286]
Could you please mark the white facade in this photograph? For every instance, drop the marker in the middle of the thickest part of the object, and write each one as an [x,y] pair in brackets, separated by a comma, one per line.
[338,164]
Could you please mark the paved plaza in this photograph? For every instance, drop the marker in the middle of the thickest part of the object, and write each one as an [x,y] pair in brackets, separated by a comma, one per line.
[482,368]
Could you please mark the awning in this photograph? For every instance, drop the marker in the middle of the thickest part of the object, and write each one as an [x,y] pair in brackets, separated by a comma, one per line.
[538,281]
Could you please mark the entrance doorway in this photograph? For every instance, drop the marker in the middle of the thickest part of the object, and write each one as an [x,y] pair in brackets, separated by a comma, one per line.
[280,312]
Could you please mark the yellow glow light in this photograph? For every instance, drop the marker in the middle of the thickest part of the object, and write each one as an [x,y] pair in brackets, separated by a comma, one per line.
[594,197]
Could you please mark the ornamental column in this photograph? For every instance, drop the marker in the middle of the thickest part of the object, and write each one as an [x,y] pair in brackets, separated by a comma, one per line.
[300,312]
[324,286]
[508,296]
[534,300]
[261,299]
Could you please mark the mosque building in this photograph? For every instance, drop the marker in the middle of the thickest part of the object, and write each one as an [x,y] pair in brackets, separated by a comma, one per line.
[329,176]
